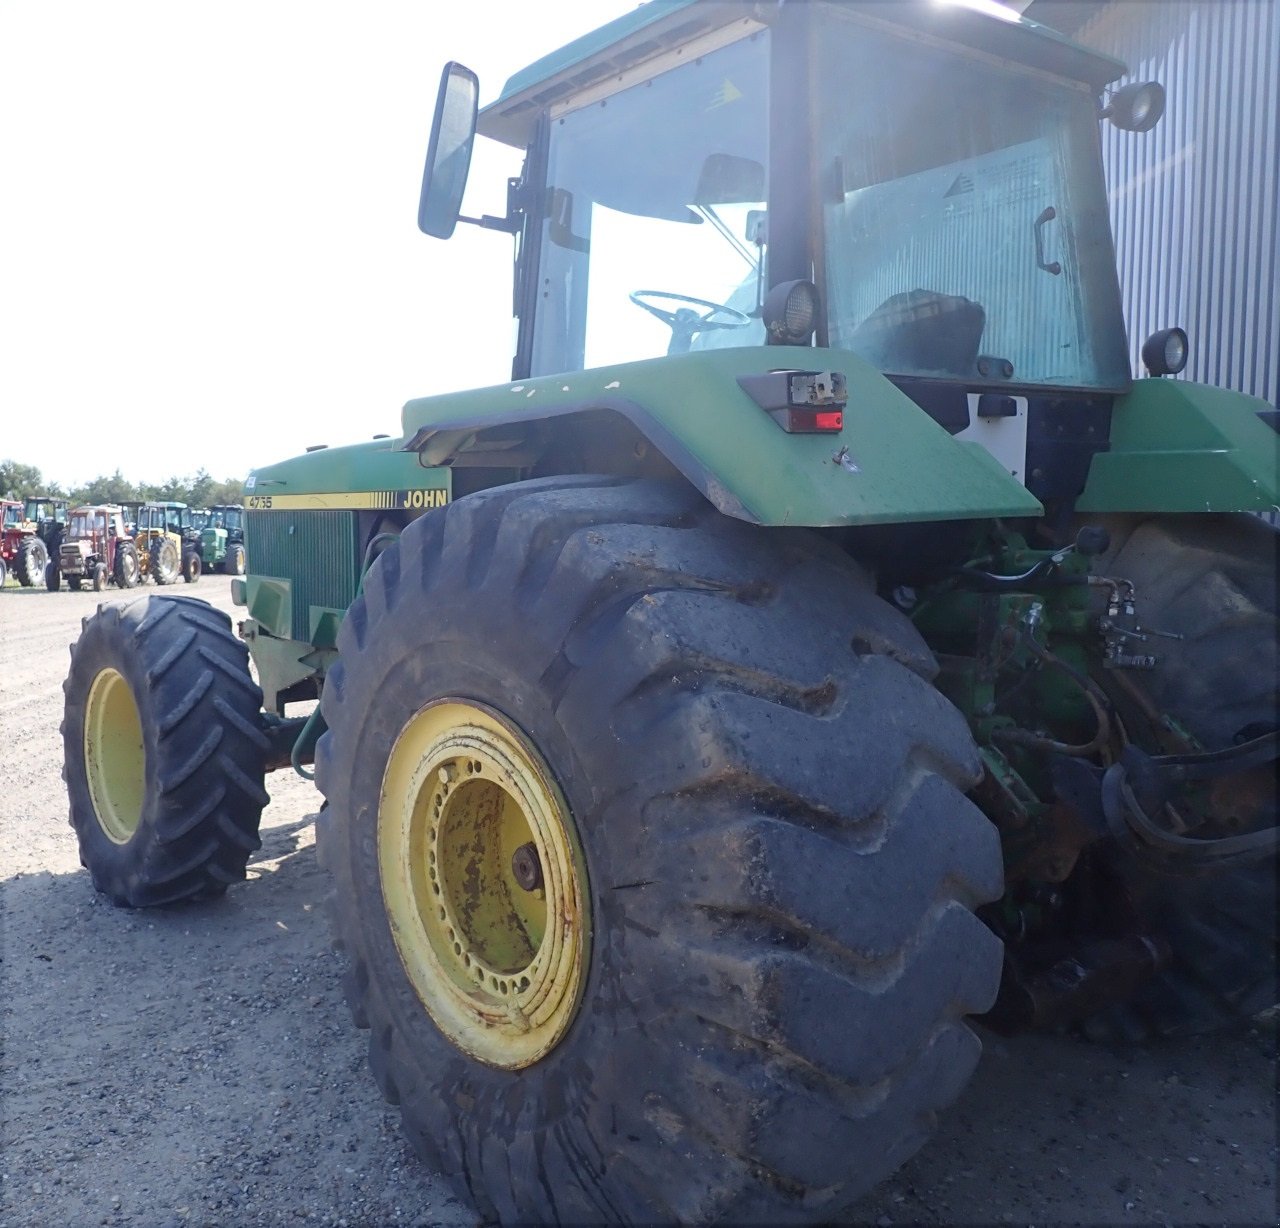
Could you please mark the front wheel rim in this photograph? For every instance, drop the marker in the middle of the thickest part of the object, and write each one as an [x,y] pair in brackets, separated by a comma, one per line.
[114,757]
[484,883]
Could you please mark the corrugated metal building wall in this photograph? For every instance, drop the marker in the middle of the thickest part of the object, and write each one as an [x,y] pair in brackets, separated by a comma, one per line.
[1196,201]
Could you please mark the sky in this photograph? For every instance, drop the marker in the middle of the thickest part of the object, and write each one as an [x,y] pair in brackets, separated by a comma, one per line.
[210,252]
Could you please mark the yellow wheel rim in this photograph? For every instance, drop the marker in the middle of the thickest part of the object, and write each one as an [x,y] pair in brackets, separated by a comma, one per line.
[114,759]
[484,883]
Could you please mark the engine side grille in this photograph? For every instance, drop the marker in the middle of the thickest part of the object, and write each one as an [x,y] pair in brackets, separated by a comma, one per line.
[317,551]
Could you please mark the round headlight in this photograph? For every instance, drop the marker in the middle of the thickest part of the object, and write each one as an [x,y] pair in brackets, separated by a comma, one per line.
[790,312]
[1136,107]
[1165,352]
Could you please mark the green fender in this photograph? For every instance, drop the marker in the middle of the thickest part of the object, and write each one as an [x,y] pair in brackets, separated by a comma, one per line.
[1183,447]
[890,464]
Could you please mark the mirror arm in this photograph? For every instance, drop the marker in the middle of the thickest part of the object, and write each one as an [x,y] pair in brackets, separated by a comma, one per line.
[510,223]
[515,211]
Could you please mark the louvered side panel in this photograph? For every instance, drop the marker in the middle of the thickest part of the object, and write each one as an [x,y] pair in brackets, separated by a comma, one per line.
[317,551]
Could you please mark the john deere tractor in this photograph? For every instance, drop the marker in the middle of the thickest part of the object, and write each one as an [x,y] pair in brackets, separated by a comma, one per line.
[222,539]
[821,638]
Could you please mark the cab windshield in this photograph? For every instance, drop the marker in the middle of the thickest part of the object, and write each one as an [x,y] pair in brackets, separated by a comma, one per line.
[86,524]
[12,514]
[640,212]
[966,233]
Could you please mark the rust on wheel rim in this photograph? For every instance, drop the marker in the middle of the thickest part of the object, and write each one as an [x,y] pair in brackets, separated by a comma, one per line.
[483,882]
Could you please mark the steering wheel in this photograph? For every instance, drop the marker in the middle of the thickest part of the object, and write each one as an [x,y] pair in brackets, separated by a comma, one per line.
[686,324]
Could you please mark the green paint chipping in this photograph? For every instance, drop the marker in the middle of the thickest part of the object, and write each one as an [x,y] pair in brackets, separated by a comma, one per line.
[891,464]
[1182,447]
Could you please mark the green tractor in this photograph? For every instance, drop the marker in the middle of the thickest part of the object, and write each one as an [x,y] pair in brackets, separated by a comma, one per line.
[222,539]
[822,637]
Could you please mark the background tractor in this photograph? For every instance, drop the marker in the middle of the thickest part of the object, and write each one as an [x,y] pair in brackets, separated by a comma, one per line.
[48,517]
[168,544]
[24,537]
[821,638]
[95,549]
[222,539]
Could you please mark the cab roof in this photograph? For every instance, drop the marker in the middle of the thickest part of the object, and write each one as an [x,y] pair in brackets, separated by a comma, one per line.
[663,25]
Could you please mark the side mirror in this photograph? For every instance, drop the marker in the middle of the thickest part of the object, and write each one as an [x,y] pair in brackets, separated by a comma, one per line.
[453,131]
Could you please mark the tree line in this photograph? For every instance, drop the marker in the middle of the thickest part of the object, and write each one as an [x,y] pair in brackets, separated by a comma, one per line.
[19,481]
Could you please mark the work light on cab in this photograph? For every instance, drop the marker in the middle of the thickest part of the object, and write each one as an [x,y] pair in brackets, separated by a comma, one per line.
[790,312]
[1165,352]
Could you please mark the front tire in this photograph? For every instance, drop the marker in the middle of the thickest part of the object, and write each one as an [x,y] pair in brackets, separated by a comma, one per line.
[164,756]
[191,567]
[52,577]
[233,564]
[777,859]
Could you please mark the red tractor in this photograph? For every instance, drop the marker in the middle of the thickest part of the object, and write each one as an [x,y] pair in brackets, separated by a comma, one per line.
[21,549]
[96,549]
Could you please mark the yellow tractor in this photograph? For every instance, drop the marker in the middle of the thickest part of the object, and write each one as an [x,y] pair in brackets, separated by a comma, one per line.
[167,543]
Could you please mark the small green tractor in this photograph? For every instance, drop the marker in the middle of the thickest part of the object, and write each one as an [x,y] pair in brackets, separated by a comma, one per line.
[222,539]
[167,542]
[822,637]
[94,549]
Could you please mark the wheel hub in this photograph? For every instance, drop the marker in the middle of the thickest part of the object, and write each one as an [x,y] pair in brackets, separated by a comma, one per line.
[484,883]
[114,759]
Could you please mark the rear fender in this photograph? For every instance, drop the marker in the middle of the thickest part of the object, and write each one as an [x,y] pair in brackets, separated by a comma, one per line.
[1183,447]
[891,463]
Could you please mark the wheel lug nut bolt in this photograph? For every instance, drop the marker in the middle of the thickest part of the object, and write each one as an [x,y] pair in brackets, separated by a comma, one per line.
[526,867]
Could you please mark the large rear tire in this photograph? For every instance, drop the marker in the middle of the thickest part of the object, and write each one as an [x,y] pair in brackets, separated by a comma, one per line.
[721,743]
[165,563]
[30,562]
[125,571]
[164,755]
[1212,580]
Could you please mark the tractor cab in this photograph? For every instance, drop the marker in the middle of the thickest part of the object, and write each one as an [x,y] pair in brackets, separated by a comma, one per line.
[229,517]
[916,187]
[49,516]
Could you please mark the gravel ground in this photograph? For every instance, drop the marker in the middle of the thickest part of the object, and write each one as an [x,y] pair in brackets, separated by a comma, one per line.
[197,1065]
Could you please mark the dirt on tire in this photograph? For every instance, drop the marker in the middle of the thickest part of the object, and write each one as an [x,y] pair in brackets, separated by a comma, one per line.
[196,1065]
